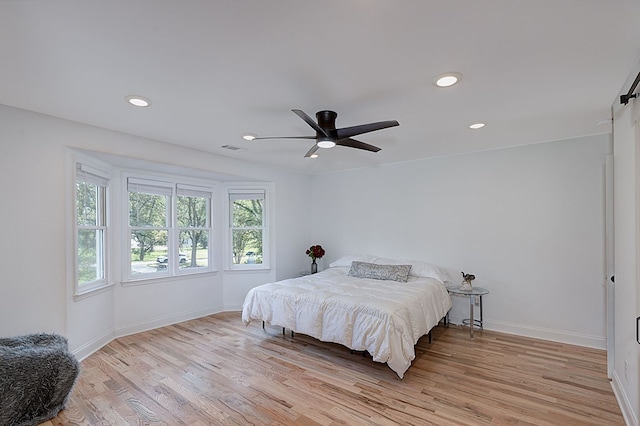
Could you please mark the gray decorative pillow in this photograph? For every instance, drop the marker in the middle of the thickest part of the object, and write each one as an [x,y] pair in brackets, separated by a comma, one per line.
[380,272]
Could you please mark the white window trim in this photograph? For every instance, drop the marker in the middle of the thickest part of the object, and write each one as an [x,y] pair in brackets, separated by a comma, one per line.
[174,183]
[98,173]
[185,189]
[268,243]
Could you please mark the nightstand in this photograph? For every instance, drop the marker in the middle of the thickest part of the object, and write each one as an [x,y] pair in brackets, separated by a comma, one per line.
[475,291]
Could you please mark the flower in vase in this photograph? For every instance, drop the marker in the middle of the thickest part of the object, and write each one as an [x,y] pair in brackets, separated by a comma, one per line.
[315,252]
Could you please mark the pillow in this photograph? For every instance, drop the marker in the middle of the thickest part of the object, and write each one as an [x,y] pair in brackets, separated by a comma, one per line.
[398,273]
[347,259]
[420,269]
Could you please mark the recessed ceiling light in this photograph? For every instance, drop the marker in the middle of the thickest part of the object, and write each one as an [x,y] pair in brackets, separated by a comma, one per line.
[447,79]
[138,101]
[313,156]
[249,136]
[476,126]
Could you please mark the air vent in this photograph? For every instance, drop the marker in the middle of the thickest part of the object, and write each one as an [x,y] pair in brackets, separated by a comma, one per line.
[232,148]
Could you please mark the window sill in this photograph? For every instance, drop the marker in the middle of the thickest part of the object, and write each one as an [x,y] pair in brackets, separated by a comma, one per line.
[256,270]
[91,292]
[172,278]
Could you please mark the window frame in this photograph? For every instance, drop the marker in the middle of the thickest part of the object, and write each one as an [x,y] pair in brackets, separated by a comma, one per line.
[185,190]
[175,184]
[87,170]
[249,189]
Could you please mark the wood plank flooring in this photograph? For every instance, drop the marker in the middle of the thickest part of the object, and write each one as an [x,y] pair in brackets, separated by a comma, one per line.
[216,371]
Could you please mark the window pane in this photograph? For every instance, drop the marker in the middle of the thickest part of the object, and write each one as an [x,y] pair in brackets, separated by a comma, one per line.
[247,246]
[192,211]
[247,213]
[194,249]
[87,203]
[90,267]
[148,251]
[147,210]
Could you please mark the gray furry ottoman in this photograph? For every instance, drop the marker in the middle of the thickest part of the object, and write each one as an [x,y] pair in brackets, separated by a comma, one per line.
[37,372]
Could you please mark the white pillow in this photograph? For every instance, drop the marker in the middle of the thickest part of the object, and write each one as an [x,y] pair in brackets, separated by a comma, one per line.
[426,270]
[419,269]
[347,259]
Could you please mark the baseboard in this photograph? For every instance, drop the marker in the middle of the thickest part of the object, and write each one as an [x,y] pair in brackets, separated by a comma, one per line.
[630,417]
[90,347]
[129,329]
[561,336]
[232,308]
[96,344]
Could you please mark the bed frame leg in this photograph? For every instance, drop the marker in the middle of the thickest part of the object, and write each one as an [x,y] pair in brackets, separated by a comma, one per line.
[429,336]
[284,332]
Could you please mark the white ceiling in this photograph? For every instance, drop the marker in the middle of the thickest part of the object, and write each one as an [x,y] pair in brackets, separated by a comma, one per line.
[533,71]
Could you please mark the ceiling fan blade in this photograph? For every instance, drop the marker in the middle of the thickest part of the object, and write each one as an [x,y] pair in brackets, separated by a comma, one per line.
[347,132]
[284,137]
[310,122]
[352,143]
[312,151]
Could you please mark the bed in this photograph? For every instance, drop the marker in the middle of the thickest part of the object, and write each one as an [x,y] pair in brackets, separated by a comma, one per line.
[361,302]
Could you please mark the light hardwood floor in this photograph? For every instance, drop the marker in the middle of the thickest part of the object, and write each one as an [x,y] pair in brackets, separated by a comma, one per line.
[216,371]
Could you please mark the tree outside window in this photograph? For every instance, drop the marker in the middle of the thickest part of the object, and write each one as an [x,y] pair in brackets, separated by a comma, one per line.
[147,217]
[193,219]
[170,228]
[247,227]
[91,228]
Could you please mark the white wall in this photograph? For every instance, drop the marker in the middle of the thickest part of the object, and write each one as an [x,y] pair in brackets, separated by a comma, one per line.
[527,221]
[35,292]
[626,380]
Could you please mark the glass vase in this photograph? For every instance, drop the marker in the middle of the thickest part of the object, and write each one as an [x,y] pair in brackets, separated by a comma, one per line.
[314,266]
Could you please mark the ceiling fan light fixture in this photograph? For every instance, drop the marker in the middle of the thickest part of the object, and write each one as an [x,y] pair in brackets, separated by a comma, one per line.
[139,101]
[447,79]
[249,136]
[325,143]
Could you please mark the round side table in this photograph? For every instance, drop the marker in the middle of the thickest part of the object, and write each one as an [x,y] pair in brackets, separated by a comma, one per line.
[472,293]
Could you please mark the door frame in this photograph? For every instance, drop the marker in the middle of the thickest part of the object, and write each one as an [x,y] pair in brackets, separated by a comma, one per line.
[609,266]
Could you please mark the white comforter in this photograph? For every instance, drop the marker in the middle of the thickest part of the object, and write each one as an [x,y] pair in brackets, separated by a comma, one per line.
[385,318]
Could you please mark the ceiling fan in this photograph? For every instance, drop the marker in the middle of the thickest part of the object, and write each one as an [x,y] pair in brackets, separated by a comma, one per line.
[327,136]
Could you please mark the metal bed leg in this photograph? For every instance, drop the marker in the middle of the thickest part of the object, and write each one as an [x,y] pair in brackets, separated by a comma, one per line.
[284,332]
[445,320]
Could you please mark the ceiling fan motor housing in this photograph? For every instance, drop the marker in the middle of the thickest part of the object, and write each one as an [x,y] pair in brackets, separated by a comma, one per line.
[327,121]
